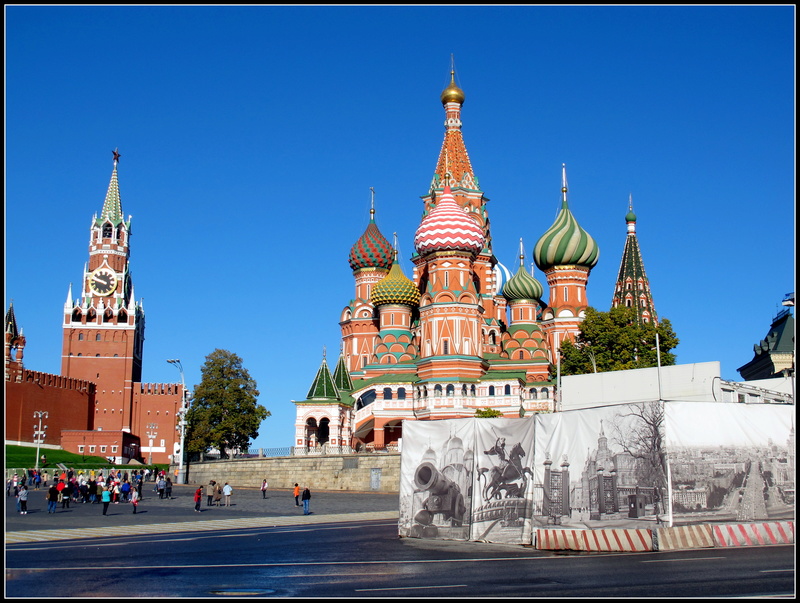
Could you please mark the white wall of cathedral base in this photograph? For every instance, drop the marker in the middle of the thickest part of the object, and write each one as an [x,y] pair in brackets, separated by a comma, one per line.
[349,472]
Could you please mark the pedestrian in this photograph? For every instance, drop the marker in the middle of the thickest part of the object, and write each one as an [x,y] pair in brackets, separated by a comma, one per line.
[168,489]
[126,490]
[8,487]
[23,499]
[162,486]
[37,481]
[264,486]
[45,477]
[306,501]
[218,495]
[92,490]
[134,499]
[52,499]
[210,492]
[227,491]
[296,495]
[106,499]
[198,497]
[66,494]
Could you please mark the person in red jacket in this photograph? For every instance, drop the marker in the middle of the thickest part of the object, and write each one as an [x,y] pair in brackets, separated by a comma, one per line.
[198,496]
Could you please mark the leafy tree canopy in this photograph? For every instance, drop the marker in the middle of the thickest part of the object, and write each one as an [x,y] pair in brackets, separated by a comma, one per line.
[487,413]
[224,413]
[614,341]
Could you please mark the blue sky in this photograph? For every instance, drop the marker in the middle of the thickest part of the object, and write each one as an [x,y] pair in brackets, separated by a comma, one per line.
[250,137]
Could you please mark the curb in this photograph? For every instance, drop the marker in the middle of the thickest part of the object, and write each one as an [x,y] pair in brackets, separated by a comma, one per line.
[666,539]
[754,534]
[603,540]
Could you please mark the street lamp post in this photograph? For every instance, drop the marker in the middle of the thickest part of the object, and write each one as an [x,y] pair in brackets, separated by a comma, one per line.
[181,426]
[151,435]
[39,432]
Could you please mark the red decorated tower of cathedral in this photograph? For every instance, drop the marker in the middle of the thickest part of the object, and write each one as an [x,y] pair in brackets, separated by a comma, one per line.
[633,288]
[461,334]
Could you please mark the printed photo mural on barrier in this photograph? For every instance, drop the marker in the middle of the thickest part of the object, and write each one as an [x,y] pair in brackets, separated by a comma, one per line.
[600,468]
[503,482]
[731,462]
[467,479]
[436,477]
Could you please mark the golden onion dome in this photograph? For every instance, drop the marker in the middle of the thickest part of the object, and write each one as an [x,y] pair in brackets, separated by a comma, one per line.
[452,94]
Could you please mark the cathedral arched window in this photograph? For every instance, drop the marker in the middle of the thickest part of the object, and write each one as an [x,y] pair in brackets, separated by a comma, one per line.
[533,393]
[107,230]
[80,336]
[446,347]
[98,337]
[401,393]
[521,355]
[507,390]
[472,391]
[451,390]
[464,390]
[437,391]
[491,390]
[387,393]
[545,392]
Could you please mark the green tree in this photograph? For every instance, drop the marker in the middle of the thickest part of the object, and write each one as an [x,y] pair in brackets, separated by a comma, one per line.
[614,341]
[488,413]
[224,413]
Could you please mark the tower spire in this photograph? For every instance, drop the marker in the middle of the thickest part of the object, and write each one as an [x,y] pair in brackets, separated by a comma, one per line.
[112,206]
[372,204]
[632,288]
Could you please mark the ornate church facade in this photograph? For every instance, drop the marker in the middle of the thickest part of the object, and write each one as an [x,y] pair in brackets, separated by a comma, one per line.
[461,333]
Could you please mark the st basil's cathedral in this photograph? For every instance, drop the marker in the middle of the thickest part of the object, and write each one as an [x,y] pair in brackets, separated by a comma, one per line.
[462,333]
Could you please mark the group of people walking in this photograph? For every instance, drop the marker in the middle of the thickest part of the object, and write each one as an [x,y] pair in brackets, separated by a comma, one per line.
[118,488]
[305,497]
[214,495]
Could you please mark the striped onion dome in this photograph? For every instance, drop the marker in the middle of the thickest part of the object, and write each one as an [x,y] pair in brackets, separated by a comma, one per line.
[565,242]
[523,285]
[372,250]
[501,276]
[448,227]
[395,288]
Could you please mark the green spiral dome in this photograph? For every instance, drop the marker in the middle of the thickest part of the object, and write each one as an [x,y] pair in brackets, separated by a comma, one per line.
[565,243]
[522,286]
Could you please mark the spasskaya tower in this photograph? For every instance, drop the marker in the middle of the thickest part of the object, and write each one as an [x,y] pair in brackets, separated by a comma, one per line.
[104,326]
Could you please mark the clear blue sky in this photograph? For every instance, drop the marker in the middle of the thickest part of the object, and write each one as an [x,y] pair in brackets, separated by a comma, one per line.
[250,137]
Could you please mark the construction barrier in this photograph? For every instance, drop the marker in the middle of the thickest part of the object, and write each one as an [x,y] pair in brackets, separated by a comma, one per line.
[684,537]
[639,540]
[754,534]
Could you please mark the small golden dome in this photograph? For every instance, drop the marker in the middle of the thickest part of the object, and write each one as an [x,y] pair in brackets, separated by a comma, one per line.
[452,94]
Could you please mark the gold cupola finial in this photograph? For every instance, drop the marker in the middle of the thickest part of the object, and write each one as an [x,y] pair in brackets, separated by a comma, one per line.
[452,94]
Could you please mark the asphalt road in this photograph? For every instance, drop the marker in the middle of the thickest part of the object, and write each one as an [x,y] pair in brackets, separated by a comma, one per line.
[348,547]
